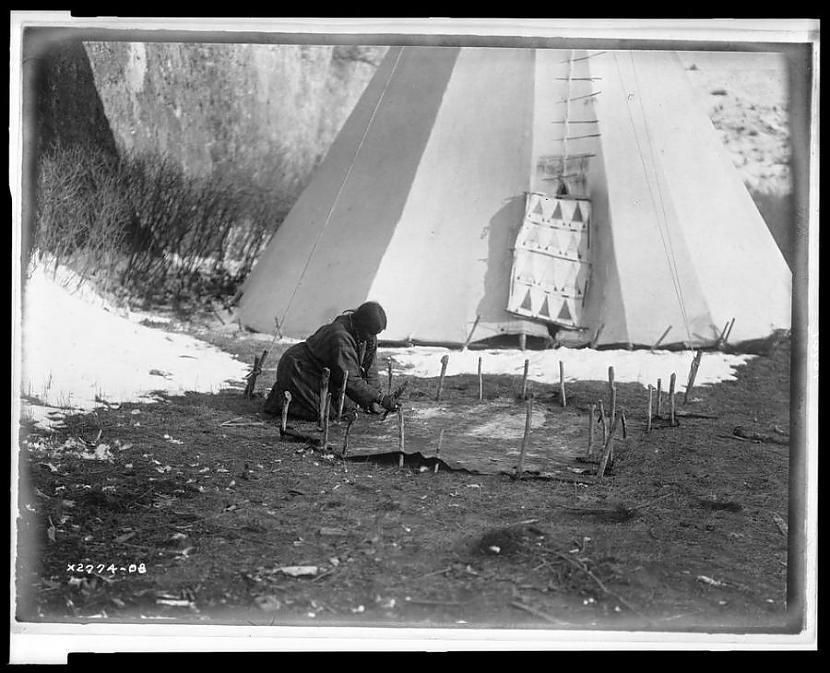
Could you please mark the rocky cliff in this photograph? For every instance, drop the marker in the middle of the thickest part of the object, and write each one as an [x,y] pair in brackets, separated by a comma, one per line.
[267,113]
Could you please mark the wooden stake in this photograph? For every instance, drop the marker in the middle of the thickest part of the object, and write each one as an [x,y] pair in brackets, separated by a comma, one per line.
[613,392]
[346,435]
[326,421]
[400,437]
[444,360]
[389,376]
[607,451]
[660,340]
[562,398]
[524,380]
[648,423]
[523,342]
[528,417]
[285,405]
[659,398]
[249,389]
[324,390]
[480,382]
[672,381]
[604,422]
[692,374]
[591,421]
[624,428]
[438,450]
[341,403]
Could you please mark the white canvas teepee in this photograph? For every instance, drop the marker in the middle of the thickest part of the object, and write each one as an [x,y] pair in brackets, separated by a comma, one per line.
[438,199]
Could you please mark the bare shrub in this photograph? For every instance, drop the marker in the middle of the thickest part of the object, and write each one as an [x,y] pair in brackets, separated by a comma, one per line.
[143,224]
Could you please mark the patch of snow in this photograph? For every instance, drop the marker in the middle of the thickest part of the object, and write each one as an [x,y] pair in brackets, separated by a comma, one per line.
[77,352]
[580,364]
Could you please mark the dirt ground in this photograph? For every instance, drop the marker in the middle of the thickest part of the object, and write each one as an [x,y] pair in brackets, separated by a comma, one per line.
[181,519]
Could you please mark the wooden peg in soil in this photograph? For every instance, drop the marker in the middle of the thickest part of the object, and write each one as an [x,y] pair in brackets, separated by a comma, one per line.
[286,403]
[672,381]
[604,422]
[562,399]
[650,393]
[251,376]
[444,360]
[658,412]
[528,418]
[324,390]
[346,435]
[342,401]
[326,410]
[624,427]
[591,421]
[400,437]
[692,375]
[607,451]
[524,380]
[389,376]
[480,382]
[438,450]
[523,342]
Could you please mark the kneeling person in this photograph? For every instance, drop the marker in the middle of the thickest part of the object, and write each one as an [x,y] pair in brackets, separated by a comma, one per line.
[347,344]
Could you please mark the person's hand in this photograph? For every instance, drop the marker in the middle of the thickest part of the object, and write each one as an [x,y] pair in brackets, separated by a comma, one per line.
[389,402]
[375,408]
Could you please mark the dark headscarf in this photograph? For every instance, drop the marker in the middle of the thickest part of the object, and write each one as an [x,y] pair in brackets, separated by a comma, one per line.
[369,318]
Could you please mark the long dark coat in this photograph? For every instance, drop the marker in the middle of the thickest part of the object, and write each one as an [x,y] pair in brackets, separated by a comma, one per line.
[334,346]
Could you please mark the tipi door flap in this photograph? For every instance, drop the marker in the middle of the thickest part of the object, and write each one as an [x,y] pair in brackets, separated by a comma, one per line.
[550,260]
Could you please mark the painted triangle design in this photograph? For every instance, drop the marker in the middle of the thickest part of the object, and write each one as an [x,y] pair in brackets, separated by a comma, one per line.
[557,212]
[577,214]
[545,310]
[526,305]
[538,210]
[565,313]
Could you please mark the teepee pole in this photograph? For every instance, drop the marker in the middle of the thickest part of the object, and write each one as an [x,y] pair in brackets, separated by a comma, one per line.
[470,335]
[660,340]
[595,340]
[728,332]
